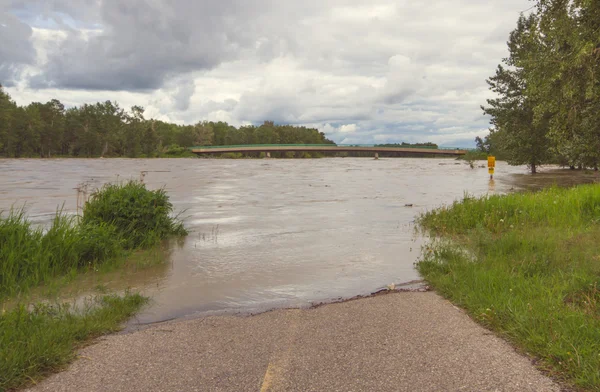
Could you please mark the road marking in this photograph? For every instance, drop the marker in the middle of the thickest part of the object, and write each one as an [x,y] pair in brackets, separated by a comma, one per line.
[280,361]
[268,379]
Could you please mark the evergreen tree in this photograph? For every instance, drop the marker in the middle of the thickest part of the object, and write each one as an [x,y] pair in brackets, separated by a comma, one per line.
[523,139]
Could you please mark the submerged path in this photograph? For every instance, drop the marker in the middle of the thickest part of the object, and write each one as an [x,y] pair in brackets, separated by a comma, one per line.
[395,342]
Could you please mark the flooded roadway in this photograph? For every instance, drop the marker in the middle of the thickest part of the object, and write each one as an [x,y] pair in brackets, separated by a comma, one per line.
[271,233]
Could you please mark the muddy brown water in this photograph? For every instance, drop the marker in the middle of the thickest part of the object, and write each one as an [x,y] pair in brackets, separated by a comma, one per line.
[272,233]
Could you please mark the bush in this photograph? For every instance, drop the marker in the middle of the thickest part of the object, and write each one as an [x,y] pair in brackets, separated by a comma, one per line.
[98,243]
[140,217]
[175,151]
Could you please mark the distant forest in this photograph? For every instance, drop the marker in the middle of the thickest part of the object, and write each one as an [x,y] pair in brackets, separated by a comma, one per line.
[106,129]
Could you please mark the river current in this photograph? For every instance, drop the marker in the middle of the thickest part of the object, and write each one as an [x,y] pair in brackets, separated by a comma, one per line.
[272,233]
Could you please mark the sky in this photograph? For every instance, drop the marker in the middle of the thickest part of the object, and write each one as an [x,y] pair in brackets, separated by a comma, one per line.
[379,71]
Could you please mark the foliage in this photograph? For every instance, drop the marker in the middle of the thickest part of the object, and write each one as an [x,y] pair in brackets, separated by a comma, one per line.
[177,151]
[523,140]
[526,265]
[140,217]
[118,218]
[548,90]
[37,342]
[474,155]
[105,129]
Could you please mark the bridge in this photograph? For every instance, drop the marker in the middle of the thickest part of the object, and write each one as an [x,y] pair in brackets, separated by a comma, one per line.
[371,148]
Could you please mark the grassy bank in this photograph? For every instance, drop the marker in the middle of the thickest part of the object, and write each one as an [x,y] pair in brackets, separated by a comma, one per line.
[38,341]
[527,266]
[116,224]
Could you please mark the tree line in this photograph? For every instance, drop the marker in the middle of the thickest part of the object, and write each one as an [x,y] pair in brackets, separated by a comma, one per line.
[105,129]
[547,108]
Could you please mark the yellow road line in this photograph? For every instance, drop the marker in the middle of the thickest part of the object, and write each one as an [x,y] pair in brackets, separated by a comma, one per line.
[268,379]
[280,361]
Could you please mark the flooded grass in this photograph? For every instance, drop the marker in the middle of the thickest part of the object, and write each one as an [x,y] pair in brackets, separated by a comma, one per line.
[38,341]
[117,220]
[527,266]
[121,227]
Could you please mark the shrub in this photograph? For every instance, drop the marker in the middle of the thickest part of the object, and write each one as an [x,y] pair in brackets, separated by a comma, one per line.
[141,217]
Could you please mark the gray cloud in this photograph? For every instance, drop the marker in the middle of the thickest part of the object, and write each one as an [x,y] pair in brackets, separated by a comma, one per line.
[364,71]
[184,93]
[140,44]
[16,49]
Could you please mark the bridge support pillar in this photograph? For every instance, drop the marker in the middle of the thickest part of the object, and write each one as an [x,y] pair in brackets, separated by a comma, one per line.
[376,155]
[267,155]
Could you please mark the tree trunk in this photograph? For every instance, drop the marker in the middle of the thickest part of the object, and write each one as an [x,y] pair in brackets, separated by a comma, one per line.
[533,168]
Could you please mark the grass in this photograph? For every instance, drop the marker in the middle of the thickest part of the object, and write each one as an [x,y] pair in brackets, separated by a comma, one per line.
[526,265]
[30,256]
[117,220]
[43,340]
[121,226]
[141,218]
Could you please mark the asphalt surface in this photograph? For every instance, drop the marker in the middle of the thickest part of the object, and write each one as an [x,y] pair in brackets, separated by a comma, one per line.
[395,342]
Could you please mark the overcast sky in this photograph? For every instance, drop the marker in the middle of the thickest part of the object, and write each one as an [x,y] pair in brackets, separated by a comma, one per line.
[361,71]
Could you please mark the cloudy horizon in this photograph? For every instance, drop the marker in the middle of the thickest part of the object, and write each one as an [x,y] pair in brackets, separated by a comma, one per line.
[362,72]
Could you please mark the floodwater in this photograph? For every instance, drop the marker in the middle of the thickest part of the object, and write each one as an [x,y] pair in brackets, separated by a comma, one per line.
[271,233]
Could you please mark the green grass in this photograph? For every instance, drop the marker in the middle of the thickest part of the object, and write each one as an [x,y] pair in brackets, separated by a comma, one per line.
[117,219]
[121,227]
[30,256]
[527,266]
[141,218]
[43,340]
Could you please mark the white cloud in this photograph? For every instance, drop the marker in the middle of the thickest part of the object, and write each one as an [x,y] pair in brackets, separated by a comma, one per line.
[348,128]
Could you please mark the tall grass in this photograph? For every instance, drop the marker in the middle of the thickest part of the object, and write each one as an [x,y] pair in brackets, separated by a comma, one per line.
[117,219]
[528,266]
[140,217]
[36,342]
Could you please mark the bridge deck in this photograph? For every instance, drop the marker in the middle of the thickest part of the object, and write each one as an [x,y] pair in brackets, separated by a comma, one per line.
[324,148]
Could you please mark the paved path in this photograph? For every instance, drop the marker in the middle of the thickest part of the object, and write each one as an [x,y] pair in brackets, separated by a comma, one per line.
[397,342]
